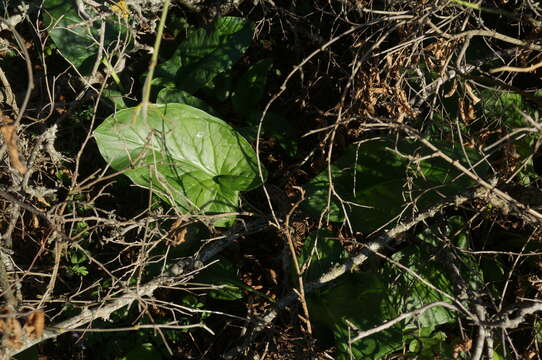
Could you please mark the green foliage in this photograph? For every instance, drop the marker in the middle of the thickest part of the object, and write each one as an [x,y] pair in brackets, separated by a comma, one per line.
[187,156]
[249,92]
[116,97]
[76,40]
[181,153]
[382,296]
[219,88]
[455,230]
[207,52]
[323,251]
[367,299]
[276,126]
[250,87]
[372,178]
[223,274]
[504,109]
[76,259]
[425,343]
[537,330]
[170,94]
[200,64]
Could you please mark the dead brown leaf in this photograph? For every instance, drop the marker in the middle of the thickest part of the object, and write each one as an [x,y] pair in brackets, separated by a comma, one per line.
[178,234]
[35,324]
[9,132]
[13,334]
[462,347]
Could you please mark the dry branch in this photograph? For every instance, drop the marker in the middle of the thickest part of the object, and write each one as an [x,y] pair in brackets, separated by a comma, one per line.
[178,273]
[414,313]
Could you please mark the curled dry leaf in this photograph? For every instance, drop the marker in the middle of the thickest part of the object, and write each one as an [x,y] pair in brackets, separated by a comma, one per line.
[178,234]
[467,112]
[35,323]
[9,132]
[12,333]
[462,347]
[35,221]
[452,90]
[179,237]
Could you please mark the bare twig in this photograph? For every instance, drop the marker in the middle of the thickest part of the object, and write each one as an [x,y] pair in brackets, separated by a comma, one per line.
[30,74]
[516,69]
[293,254]
[498,36]
[414,313]
[180,272]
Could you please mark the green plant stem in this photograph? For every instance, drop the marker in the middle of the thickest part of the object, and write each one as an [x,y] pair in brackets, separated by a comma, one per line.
[154,59]
[113,73]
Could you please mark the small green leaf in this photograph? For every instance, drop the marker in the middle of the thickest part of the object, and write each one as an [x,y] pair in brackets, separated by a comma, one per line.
[79,270]
[182,153]
[428,344]
[116,98]
[537,330]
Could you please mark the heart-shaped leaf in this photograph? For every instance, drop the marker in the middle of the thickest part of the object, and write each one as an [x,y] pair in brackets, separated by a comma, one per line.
[182,153]
[170,94]
[78,40]
[207,52]
[378,185]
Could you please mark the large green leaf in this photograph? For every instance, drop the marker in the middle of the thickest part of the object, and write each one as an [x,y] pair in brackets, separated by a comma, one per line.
[182,153]
[284,130]
[207,52]
[367,299]
[75,38]
[373,181]
[320,252]
[502,108]
[170,94]
[251,87]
